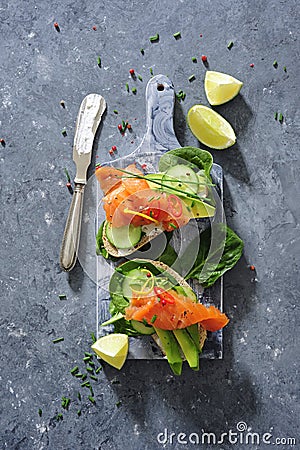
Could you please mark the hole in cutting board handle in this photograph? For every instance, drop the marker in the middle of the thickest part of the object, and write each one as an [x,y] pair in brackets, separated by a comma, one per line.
[160,87]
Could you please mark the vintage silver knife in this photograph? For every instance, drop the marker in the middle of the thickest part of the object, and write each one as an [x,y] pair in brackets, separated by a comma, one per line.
[88,120]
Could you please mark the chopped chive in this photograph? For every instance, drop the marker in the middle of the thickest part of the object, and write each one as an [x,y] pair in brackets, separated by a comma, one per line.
[172,225]
[85,384]
[127,87]
[98,369]
[154,38]
[192,78]
[88,354]
[133,90]
[65,402]
[177,35]
[280,118]
[91,390]
[140,78]
[118,404]
[93,337]
[151,71]
[275,116]
[40,412]
[91,399]
[84,377]
[91,363]
[142,51]
[64,132]
[63,296]
[78,375]
[116,111]
[275,64]
[59,417]
[79,412]
[230,45]
[90,369]
[284,68]
[99,61]
[60,339]
[153,319]
[86,359]
[74,370]
[93,378]
[79,396]
[194,59]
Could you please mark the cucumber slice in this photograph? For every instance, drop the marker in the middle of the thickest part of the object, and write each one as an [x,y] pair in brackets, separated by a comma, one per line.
[157,179]
[141,328]
[123,237]
[181,177]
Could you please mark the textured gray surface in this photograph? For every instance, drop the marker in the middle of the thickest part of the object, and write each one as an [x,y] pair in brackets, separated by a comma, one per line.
[258,380]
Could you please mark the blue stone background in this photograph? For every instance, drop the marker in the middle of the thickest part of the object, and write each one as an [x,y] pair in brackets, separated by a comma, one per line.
[258,380]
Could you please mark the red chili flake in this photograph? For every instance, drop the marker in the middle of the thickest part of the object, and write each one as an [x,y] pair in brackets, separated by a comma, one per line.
[129,126]
[120,127]
[114,148]
[201,35]
[56,26]
[131,142]
[204,58]
[94,28]
[68,185]
[251,65]
[111,152]
[252,267]
[2,141]
[144,166]
[131,71]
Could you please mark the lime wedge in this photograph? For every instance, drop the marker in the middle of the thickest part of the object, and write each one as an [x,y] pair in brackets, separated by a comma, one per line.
[220,87]
[210,128]
[112,348]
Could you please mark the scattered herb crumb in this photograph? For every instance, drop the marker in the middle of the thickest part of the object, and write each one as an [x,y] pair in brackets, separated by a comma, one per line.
[40,412]
[65,402]
[60,339]
[181,95]
[59,417]
[63,296]
[194,59]
[93,378]
[88,354]
[78,375]
[85,384]
[154,38]
[127,87]
[93,337]
[280,118]
[79,396]
[99,61]
[98,369]
[142,51]
[192,78]
[118,404]
[177,35]
[133,90]
[79,412]
[91,399]
[90,369]
[116,111]
[140,78]
[64,132]
[275,64]
[275,115]
[151,71]
[284,69]
[230,45]
[74,370]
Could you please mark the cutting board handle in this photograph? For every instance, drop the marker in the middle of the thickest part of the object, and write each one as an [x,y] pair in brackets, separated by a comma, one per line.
[160,100]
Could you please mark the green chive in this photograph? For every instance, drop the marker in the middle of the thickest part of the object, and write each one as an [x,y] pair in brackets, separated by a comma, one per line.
[91,390]
[91,363]
[194,59]
[60,339]
[74,370]
[85,384]
[140,78]
[79,396]
[280,118]
[65,402]
[99,61]
[142,51]
[90,369]
[118,404]
[99,369]
[59,417]
[78,375]
[91,399]
[93,337]
[64,132]
[192,78]
[127,87]
[93,378]
[154,38]
[275,64]
[88,354]
[84,377]
[153,319]
[116,111]
[40,412]
[63,296]
[275,116]
[230,45]
[172,225]
[133,90]
[151,71]
[86,359]
[177,35]
[79,412]
[284,68]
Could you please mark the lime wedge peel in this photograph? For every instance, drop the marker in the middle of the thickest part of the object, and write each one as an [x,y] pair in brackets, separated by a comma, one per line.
[112,348]
[220,88]
[210,128]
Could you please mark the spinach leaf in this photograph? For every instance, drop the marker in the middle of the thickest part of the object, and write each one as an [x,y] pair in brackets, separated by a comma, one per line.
[220,249]
[169,256]
[184,155]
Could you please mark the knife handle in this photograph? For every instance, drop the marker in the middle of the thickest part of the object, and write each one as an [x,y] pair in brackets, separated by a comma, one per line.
[70,242]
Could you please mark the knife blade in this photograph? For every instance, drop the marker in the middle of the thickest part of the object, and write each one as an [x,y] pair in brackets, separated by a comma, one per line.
[88,120]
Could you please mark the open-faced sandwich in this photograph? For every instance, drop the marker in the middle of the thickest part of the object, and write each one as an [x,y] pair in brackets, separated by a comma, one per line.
[149,298]
[139,206]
